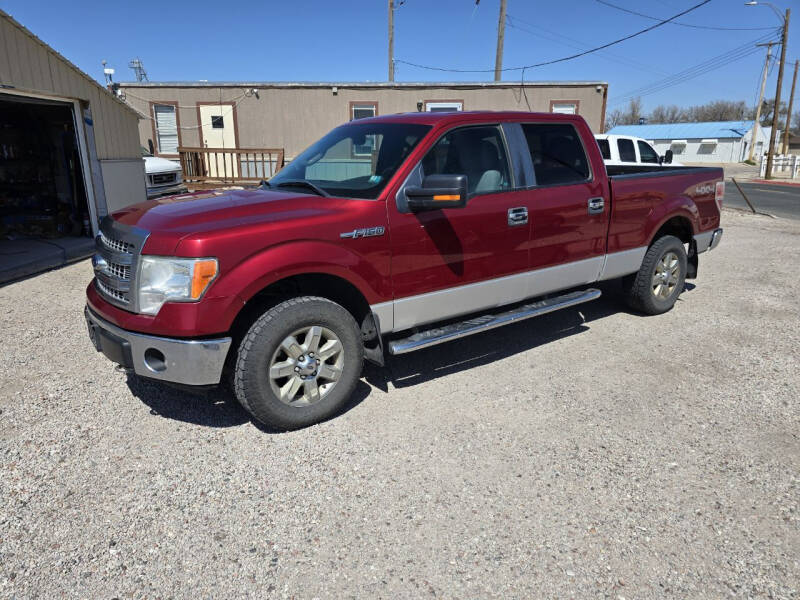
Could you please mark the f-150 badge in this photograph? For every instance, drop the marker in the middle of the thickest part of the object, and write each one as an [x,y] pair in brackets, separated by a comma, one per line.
[365,232]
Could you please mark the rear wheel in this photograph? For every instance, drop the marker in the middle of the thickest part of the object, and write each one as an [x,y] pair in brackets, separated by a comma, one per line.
[299,363]
[660,280]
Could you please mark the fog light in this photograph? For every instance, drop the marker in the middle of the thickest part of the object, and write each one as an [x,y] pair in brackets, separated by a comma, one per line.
[154,360]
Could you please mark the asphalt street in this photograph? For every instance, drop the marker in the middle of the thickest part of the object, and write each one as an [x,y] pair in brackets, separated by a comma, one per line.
[775,199]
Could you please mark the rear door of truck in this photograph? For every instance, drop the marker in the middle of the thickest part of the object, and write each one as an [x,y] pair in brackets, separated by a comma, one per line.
[569,205]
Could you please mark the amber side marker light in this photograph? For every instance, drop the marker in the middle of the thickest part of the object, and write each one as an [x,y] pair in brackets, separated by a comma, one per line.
[204,273]
[447,197]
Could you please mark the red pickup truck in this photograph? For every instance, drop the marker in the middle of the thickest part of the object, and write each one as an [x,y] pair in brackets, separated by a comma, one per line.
[392,233]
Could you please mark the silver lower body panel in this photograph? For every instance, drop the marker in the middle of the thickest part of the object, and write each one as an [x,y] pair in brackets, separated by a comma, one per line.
[188,362]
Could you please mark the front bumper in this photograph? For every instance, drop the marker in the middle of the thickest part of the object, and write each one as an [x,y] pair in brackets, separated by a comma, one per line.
[189,362]
[157,192]
[708,240]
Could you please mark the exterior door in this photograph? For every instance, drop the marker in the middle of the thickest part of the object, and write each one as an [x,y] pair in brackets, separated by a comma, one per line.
[217,131]
[568,207]
[456,261]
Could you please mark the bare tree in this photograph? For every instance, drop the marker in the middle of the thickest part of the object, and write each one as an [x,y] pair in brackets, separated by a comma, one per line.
[629,116]
[667,114]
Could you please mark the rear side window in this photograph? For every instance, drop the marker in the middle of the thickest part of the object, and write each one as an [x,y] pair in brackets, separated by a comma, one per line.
[605,149]
[557,153]
[477,152]
[647,153]
[626,151]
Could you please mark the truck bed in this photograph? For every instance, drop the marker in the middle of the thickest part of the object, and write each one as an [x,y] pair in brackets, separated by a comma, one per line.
[628,171]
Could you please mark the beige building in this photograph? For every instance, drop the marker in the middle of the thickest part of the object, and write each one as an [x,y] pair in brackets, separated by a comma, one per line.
[291,116]
[69,154]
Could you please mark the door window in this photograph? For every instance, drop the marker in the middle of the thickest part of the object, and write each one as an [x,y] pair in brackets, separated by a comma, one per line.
[647,153]
[557,154]
[627,153]
[477,152]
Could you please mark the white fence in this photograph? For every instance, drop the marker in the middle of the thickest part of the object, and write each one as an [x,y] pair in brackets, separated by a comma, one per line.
[786,166]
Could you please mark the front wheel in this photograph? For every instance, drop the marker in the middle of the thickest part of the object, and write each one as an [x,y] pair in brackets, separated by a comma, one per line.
[299,363]
[660,280]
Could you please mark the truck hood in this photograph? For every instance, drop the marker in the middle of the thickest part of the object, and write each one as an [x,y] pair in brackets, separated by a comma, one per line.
[156,164]
[205,215]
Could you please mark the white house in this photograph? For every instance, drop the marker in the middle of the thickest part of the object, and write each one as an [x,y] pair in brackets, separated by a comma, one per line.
[713,142]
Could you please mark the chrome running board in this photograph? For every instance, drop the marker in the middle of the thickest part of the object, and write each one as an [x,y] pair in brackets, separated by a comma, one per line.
[446,333]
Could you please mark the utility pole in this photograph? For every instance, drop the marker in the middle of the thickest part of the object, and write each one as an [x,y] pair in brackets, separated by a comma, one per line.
[789,114]
[391,40]
[754,135]
[773,134]
[501,34]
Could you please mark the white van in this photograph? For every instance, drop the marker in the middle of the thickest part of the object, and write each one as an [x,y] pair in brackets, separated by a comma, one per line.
[629,150]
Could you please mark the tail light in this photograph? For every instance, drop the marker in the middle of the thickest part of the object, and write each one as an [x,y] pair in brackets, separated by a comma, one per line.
[719,193]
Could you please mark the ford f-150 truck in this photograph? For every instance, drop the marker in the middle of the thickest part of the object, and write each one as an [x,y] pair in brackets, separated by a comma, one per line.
[389,234]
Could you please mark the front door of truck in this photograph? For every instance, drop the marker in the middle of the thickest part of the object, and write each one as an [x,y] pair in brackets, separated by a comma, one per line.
[568,206]
[455,261]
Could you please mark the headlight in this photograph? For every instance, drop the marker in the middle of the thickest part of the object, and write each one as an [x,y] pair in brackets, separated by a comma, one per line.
[165,279]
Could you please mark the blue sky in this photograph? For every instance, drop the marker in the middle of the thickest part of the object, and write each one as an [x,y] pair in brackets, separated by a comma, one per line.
[313,40]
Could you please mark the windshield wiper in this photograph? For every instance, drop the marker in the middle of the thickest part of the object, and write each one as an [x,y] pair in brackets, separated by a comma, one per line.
[303,183]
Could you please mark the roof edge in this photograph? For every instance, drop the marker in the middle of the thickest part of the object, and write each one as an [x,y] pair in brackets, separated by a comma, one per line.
[361,84]
[68,62]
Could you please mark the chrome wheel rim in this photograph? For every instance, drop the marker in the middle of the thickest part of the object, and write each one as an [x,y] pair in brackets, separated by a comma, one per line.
[666,276]
[306,366]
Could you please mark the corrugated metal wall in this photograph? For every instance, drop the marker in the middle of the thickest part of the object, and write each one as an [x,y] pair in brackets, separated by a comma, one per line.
[27,64]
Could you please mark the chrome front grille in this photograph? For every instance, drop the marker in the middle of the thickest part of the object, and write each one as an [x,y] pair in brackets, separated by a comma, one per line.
[163,178]
[107,291]
[116,245]
[121,271]
[118,249]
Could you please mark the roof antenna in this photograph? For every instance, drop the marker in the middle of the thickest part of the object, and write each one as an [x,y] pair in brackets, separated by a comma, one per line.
[138,69]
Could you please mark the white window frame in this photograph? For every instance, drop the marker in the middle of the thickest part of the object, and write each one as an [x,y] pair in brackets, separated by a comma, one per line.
[456,106]
[159,151]
[555,104]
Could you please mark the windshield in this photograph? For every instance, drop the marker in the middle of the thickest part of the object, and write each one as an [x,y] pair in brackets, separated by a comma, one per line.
[355,160]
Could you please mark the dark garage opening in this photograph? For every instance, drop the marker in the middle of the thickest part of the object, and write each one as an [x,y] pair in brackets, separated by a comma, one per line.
[44,211]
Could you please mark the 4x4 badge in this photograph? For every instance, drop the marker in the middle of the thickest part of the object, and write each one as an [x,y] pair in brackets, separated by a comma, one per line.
[366,232]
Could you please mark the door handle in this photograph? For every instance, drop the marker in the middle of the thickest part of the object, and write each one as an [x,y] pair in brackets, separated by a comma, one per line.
[596,205]
[517,216]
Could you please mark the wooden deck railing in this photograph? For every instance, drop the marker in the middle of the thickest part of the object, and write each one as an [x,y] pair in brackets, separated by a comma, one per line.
[206,166]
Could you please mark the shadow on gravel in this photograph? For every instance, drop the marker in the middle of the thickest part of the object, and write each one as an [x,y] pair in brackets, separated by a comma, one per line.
[211,408]
[484,348]
[216,407]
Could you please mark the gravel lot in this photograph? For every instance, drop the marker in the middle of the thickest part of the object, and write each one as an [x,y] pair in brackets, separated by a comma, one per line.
[592,453]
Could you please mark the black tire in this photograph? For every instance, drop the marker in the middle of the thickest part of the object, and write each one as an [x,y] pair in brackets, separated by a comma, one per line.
[252,382]
[639,287]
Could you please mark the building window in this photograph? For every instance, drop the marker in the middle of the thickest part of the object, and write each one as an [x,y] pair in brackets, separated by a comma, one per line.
[217,122]
[444,106]
[363,110]
[166,123]
[564,107]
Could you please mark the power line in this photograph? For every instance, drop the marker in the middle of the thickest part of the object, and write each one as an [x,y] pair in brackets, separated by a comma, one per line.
[564,58]
[693,72]
[573,43]
[638,14]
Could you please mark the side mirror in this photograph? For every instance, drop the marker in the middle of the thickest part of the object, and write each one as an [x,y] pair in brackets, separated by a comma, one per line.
[668,156]
[438,191]
[151,148]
